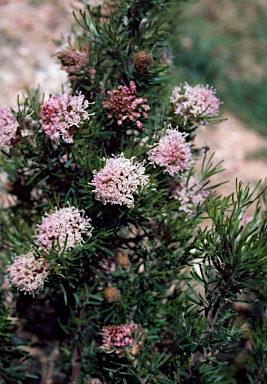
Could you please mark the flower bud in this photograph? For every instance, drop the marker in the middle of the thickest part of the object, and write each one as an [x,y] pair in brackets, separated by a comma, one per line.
[143,61]
[112,294]
[123,259]
[134,351]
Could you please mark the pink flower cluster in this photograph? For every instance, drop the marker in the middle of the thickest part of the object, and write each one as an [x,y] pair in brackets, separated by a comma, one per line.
[190,192]
[63,229]
[122,339]
[119,180]
[62,115]
[123,104]
[8,128]
[28,273]
[172,152]
[191,103]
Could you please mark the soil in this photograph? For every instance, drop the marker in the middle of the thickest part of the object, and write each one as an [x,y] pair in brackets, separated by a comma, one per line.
[28,29]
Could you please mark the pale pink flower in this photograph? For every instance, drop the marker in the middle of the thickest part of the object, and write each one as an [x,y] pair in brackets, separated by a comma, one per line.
[190,192]
[28,273]
[106,265]
[11,130]
[123,104]
[122,339]
[172,152]
[92,72]
[63,229]
[246,224]
[245,220]
[119,180]
[8,128]
[94,381]
[62,115]
[195,103]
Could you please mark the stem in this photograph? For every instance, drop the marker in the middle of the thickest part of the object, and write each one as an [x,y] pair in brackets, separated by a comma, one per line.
[76,364]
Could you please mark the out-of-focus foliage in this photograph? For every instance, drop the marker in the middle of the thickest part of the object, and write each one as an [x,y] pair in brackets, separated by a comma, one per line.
[225,43]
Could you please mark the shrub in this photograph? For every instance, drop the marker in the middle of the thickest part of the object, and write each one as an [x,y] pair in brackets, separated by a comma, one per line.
[128,261]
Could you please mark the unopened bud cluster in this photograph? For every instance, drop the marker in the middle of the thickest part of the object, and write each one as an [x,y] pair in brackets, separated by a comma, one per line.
[125,339]
[124,104]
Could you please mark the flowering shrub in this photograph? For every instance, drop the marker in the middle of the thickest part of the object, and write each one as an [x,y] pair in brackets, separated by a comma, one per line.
[62,115]
[63,229]
[165,252]
[172,152]
[194,103]
[119,180]
[28,273]
[123,104]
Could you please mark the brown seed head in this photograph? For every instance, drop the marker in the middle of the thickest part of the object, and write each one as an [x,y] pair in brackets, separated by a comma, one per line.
[143,61]
[123,259]
[72,60]
[112,294]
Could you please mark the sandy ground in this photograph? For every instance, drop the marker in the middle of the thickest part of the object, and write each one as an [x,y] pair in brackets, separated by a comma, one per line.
[233,143]
[27,30]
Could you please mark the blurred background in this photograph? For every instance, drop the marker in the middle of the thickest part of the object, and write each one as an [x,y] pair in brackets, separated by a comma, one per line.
[219,42]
